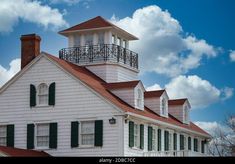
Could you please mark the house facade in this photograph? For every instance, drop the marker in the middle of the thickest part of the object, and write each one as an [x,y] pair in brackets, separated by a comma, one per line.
[89,101]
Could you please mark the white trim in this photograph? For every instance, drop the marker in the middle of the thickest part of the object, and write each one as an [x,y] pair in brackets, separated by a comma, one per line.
[35,136]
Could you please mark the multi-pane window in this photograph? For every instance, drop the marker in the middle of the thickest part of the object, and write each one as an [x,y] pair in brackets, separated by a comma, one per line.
[139,98]
[87,133]
[154,142]
[77,40]
[186,114]
[3,135]
[89,39]
[42,135]
[164,112]
[43,94]
[136,135]
[101,38]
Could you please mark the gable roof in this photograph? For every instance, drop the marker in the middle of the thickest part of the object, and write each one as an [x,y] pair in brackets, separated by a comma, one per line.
[156,93]
[100,86]
[95,23]
[119,85]
[177,101]
[16,152]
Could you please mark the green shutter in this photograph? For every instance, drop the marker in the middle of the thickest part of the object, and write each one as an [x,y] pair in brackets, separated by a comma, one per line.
[150,137]
[166,140]
[202,147]
[189,143]
[74,133]
[53,135]
[131,134]
[159,133]
[30,136]
[181,142]
[175,141]
[32,95]
[141,136]
[51,97]
[99,133]
[10,135]
[195,144]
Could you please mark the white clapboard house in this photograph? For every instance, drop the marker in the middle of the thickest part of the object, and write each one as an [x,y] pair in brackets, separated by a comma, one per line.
[89,101]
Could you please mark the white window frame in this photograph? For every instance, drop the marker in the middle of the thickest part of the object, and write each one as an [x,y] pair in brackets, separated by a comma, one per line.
[42,94]
[89,42]
[136,136]
[113,39]
[36,136]
[80,133]
[139,98]
[154,139]
[163,107]
[186,117]
[4,136]
[119,41]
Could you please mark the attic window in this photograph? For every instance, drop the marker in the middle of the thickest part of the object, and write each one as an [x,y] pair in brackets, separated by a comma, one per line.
[42,94]
[164,110]
[139,98]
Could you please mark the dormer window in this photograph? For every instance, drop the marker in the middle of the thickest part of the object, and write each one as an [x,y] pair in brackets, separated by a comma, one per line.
[43,94]
[139,98]
[186,119]
[164,107]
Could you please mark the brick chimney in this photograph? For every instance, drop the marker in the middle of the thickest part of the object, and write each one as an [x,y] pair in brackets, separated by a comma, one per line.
[30,48]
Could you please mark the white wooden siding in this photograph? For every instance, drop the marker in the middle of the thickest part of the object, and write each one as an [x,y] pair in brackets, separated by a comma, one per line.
[113,73]
[153,103]
[126,94]
[73,102]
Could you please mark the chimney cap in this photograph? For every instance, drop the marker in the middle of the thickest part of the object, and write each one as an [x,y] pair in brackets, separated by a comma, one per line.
[30,36]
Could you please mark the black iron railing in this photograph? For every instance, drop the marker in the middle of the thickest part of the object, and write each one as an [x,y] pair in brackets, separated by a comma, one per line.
[99,53]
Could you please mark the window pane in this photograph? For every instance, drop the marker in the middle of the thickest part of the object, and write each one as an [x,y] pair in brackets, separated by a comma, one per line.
[77,41]
[43,141]
[87,127]
[89,39]
[101,38]
[3,141]
[43,89]
[124,43]
[42,99]
[87,139]
[3,131]
[119,41]
[113,39]
[42,135]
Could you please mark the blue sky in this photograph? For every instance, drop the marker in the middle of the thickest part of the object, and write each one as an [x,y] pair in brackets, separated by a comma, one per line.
[205,28]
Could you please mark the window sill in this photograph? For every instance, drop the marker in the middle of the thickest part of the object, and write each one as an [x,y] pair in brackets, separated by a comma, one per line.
[42,106]
[42,148]
[136,148]
[86,146]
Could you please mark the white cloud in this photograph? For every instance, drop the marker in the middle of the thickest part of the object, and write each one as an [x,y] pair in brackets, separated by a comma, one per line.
[30,11]
[232,55]
[201,93]
[84,3]
[6,74]
[154,87]
[213,127]
[162,47]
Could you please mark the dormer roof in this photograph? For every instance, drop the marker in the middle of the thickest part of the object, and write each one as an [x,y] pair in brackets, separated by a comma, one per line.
[120,85]
[156,93]
[96,24]
[178,101]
